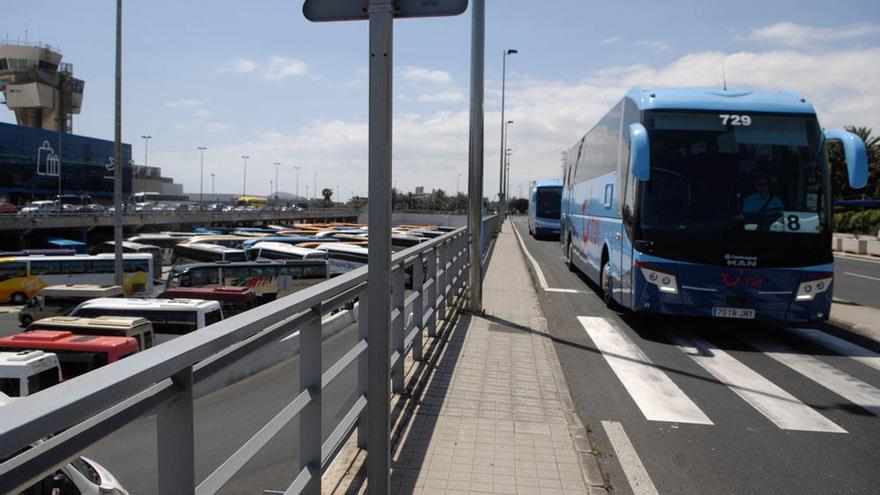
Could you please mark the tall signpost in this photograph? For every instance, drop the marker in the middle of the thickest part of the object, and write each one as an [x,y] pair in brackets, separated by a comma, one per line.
[380,14]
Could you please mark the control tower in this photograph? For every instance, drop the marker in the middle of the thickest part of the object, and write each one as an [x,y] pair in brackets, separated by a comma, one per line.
[39,88]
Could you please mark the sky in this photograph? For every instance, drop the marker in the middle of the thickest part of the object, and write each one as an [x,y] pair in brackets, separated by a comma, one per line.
[255,78]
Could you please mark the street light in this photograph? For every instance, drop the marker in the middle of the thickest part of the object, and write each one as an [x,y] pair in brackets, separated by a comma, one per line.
[457,189]
[503,125]
[277,164]
[297,181]
[146,149]
[202,174]
[244,182]
[212,186]
[506,178]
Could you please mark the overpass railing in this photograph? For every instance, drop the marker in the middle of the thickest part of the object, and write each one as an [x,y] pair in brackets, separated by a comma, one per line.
[39,433]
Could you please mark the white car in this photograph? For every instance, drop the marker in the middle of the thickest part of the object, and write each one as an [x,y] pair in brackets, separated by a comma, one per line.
[82,475]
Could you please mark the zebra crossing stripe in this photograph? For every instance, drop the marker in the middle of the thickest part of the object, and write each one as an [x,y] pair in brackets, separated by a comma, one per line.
[783,409]
[639,481]
[840,346]
[656,395]
[842,384]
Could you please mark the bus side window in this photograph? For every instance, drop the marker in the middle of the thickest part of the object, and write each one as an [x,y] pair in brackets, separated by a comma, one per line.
[12,270]
[314,271]
[45,267]
[74,266]
[42,380]
[204,276]
[213,317]
[102,266]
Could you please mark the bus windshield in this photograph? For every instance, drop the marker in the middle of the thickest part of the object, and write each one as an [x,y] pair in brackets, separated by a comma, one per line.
[549,200]
[720,172]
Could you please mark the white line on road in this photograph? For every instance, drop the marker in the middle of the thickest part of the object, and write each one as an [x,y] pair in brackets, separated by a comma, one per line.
[842,384]
[859,275]
[639,481]
[779,406]
[541,279]
[840,346]
[855,258]
[657,396]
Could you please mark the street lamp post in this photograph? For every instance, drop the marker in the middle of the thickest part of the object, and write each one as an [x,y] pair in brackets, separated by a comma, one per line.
[271,187]
[212,186]
[202,175]
[503,128]
[297,181]
[506,178]
[146,150]
[277,165]
[244,182]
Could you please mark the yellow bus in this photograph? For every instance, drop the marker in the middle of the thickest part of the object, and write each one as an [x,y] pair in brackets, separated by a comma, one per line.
[255,201]
[21,277]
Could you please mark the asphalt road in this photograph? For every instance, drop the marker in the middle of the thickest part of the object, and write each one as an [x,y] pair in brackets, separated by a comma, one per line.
[857,280]
[701,406]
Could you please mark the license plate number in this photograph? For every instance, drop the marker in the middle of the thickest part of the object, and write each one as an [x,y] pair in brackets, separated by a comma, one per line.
[748,314]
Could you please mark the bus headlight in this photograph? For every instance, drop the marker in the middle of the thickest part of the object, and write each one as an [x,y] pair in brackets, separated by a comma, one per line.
[664,280]
[808,289]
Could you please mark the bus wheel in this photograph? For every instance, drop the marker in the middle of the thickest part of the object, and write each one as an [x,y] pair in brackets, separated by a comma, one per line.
[18,298]
[568,260]
[606,286]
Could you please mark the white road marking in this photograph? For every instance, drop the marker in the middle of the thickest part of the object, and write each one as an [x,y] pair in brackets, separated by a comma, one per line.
[842,384]
[780,407]
[840,346]
[657,396]
[855,258]
[639,481]
[541,279]
[859,275]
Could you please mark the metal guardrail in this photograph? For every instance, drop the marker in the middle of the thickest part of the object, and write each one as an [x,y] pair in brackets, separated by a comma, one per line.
[70,417]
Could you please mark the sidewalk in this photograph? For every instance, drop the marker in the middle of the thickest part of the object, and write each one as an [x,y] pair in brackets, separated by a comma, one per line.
[492,418]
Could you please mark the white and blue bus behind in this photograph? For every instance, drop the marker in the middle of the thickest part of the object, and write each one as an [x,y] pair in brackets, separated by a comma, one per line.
[704,202]
[545,201]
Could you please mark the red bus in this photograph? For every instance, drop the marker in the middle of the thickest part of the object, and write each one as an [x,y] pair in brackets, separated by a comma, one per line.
[233,300]
[78,354]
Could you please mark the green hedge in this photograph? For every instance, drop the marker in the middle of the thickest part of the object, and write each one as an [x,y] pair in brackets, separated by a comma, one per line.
[858,222]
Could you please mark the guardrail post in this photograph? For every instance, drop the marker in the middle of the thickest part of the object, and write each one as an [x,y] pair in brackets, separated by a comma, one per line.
[397,327]
[418,305]
[175,438]
[310,416]
[443,277]
[363,365]
[432,292]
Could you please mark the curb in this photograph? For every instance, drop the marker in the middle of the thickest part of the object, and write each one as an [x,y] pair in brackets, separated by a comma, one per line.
[580,435]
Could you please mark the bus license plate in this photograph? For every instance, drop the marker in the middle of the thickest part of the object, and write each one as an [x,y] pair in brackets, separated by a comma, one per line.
[748,314]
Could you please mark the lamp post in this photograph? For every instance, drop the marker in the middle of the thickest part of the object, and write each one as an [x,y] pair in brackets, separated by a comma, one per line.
[277,165]
[202,175]
[503,128]
[507,154]
[315,190]
[271,187]
[457,183]
[212,186]
[506,178]
[117,157]
[146,150]
[297,181]
[244,182]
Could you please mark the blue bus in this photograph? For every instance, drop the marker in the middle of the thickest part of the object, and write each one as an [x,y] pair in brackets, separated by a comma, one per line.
[545,202]
[704,202]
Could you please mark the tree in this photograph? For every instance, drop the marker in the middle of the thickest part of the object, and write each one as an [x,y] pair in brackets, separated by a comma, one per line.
[328,196]
[839,177]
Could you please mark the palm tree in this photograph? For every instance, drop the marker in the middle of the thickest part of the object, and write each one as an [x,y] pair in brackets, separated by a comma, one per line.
[839,181]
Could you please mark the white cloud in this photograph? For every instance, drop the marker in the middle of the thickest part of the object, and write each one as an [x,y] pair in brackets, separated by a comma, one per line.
[242,66]
[182,103]
[279,67]
[201,122]
[660,46]
[453,96]
[611,40]
[793,35]
[420,74]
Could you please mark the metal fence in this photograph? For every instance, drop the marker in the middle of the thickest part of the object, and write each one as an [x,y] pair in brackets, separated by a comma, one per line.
[46,430]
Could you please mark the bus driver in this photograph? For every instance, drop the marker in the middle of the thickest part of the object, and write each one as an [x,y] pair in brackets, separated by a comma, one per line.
[761,202]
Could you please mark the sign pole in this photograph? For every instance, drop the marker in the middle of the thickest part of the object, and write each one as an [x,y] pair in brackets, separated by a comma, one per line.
[117,154]
[475,157]
[381,17]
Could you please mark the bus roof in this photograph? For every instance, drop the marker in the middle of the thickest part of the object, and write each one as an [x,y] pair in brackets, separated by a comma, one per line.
[217,264]
[286,248]
[64,322]
[294,239]
[163,304]
[208,292]
[205,246]
[25,359]
[63,340]
[719,99]
[131,245]
[342,248]
[548,183]
[81,290]
[75,257]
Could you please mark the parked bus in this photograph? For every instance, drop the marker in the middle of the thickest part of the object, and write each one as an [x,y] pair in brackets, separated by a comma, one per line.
[268,279]
[164,242]
[59,300]
[252,201]
[228,240]
[27,372]
[21,277]
[344,257]
[233,300]
[706,202]
[135,247]
[170,316]
[544,208]
[138,328]
[77,354]
[282,251]
[292,240]
[205,253]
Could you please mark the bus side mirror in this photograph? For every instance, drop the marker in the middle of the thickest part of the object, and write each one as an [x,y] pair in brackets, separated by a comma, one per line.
[855,154]
[639,152]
